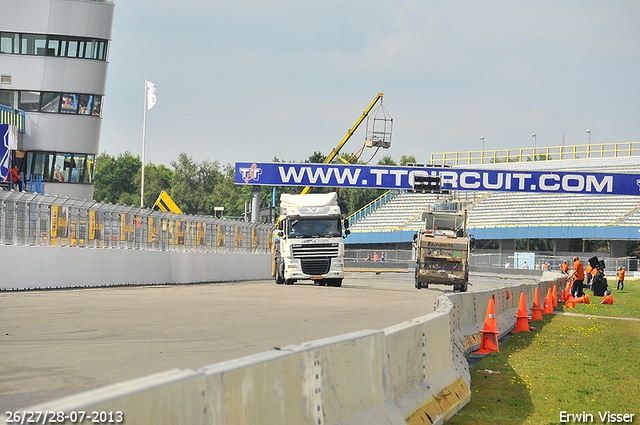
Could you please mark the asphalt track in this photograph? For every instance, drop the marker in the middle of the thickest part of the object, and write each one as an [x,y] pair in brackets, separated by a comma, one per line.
[59,342]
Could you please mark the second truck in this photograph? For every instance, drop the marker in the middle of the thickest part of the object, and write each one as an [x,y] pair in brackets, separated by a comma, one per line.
[442,250]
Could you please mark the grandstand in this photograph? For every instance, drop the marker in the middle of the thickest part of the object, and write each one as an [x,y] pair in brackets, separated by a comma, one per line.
[512,215]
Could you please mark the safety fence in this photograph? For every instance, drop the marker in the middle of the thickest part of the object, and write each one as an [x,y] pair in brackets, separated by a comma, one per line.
[44,220]
[496,260]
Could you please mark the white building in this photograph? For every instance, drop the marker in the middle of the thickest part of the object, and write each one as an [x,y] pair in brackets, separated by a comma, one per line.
[53,66]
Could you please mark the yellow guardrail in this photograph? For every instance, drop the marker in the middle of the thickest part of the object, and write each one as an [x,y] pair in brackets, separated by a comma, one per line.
[552,153]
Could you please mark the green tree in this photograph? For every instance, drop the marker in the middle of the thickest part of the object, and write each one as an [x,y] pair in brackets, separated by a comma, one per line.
[156,179]
[404,160]
[386,160]
[117,179]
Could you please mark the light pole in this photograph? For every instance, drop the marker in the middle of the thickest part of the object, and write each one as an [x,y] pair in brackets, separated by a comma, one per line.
[482,138]
[589,133]
[535,143]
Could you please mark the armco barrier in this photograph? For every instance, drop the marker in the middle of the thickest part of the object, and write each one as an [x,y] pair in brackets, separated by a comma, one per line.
[411,373]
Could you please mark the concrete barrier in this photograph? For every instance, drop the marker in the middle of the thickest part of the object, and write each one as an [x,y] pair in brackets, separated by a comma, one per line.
[43,267]
[411,373]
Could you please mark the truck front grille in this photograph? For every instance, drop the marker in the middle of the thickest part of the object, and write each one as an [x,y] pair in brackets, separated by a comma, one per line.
[315,250]
[315,266]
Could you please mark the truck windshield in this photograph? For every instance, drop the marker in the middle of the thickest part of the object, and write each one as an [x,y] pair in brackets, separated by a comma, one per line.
[444,223]
[315,228]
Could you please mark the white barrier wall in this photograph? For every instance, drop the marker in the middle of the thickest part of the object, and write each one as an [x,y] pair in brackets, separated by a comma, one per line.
[411,373]
[42,267]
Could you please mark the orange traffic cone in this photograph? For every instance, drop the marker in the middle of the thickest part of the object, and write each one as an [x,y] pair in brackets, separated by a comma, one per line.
[490,332]
[587,300]
[508,296]
[571,303]
[536,310]
[554,296]
[562,296]
[548,304]
[607,299]
[522,324]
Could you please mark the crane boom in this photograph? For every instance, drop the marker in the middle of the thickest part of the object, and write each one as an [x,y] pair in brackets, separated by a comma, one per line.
[352,130]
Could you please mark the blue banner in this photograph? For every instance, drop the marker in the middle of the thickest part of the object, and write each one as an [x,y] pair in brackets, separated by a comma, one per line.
[387,177]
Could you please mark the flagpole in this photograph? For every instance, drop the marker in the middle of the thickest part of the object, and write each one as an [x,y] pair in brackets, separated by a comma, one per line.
[144,135]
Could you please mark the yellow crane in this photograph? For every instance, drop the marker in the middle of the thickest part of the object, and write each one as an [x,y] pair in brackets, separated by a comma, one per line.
[352,130]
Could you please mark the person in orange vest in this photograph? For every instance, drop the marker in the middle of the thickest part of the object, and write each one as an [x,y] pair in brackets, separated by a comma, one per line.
[578,275]
[588,274]
[620,279]
[564,268]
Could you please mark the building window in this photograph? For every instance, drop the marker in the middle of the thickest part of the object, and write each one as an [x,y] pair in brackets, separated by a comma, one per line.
[50,103]
[69,103]
[9,42]
[9,98]
[29,101]
[53,45]
[33,44]
[96,109]
[84,104]
[60,167]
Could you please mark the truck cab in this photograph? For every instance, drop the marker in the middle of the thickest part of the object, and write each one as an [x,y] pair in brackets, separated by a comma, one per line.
[308,243]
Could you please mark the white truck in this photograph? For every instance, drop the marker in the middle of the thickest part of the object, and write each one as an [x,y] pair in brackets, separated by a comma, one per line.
[308,243]
[442,250]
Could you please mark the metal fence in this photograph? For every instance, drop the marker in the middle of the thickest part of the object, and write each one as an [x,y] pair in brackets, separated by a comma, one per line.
[44,220]
[495,260]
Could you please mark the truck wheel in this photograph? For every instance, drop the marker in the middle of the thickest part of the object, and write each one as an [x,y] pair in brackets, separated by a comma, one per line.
[463,287]
[417,282]
[289,281]
[336,282]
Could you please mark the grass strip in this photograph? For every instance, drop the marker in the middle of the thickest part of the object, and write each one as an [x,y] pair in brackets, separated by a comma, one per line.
[576,365]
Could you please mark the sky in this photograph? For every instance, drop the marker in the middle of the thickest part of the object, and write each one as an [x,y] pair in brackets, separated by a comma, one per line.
[253,81]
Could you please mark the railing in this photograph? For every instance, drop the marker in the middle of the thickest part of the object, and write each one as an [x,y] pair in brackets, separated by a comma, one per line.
[43,220]
[370,207]
[553,153]
[12,116]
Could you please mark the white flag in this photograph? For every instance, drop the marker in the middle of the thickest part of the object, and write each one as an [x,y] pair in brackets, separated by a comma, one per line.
[151,95]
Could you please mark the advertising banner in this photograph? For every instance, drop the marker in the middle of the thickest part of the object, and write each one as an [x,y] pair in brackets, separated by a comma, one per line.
[390,177]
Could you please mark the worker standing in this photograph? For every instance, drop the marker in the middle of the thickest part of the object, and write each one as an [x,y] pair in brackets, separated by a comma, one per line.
[578,276]
[620,279]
